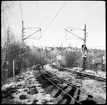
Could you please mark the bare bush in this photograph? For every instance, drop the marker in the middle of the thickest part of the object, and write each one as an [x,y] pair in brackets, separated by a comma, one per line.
[71,59]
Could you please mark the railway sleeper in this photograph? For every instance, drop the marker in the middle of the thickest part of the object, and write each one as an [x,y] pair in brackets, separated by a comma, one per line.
[59,98]
[67,100]
[59,92]
[66,97]
[49,89]
[72,101]
[69,88]
[72,91]
[63,95]
[64,101]
[77,94]
[54,91]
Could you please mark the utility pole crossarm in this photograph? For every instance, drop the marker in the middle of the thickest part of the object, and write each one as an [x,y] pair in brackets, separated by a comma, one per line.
[74,34]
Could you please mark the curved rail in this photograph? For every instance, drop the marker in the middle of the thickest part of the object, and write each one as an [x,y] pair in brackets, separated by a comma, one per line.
[71,84]
[61,89]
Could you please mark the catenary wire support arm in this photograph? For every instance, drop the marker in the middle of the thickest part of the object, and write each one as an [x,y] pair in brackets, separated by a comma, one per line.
[84,48]
[74,34]
[22,34]
[31,34]
[31,27]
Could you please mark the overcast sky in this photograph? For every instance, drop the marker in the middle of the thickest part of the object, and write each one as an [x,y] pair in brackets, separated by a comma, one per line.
[73,14]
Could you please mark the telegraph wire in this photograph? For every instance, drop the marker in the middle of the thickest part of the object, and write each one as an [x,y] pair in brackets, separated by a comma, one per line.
[97,46]
[37,14]
[93,41]
[55,16]
[48,11]
[21,10]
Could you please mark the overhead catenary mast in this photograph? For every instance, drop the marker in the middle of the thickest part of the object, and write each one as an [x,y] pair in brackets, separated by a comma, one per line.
[22,34]
[84,50]
[22,21]
[85,34]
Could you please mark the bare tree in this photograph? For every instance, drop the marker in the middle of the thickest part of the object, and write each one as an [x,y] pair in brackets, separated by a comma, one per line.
[6,13]
[9,40]
[6,32]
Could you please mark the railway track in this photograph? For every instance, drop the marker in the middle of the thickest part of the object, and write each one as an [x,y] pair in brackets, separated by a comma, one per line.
[63,90]
[70,93]
[84,74]
[90,76]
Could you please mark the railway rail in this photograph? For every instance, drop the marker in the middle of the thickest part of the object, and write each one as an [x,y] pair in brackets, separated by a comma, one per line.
[84,74]
[74,92]
[60,88]
[90,76]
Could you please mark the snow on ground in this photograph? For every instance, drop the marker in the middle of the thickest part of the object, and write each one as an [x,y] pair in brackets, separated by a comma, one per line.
[90,72]
[78,69]
[101,74]
[62,74]
[28,90]
[94,87]
[49,68]
[98,73]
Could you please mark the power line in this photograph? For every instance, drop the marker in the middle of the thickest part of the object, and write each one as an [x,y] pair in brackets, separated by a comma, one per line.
[55,16]
[48,12]
[93,41]
[37,13]
[97,46]
[21,10]
[28,27]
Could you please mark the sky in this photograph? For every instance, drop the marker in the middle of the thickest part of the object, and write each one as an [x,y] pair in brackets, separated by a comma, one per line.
[73,14]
